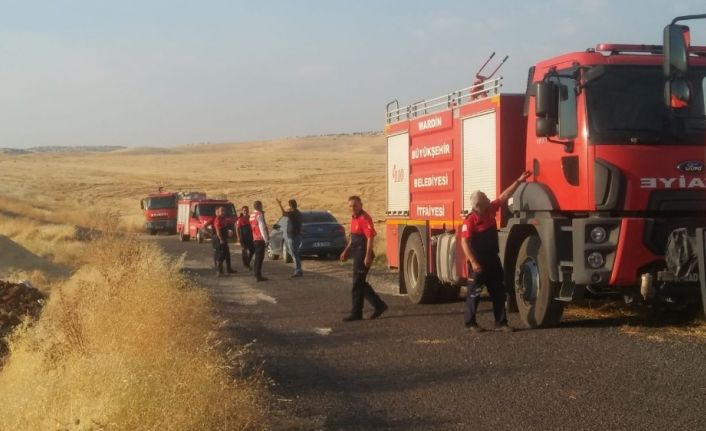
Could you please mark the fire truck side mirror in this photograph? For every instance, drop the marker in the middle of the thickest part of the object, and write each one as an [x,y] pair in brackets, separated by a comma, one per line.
[675,62]
[546,127]
[546,106]
[677,94]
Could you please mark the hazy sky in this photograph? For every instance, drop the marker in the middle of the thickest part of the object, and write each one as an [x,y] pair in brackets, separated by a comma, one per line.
[156,73]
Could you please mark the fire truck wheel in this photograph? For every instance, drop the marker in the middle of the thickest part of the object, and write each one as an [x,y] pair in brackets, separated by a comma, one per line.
[535,293]
[199,237]
[420,289]
[184,238]
[287,257]
[153,232]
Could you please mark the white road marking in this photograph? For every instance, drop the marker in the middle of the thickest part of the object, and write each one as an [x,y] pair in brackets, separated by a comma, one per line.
[242,294]
[322,331]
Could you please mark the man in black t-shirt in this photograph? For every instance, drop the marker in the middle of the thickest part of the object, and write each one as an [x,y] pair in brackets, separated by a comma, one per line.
[293,234]
[244,231]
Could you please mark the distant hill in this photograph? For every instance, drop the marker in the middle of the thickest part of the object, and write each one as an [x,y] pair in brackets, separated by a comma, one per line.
[13,151]
[69,148]
[62,149]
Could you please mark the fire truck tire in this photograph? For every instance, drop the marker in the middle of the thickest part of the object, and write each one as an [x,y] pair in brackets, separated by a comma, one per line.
[286,256]
[535,293]
[199,237]
[184,237]
[153,232]
[421,289]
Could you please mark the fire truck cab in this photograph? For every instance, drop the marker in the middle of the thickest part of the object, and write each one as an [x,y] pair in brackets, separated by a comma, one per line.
[615,137]
[160,212]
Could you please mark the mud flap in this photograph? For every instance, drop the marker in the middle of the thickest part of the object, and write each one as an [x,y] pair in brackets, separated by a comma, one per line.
[701,251]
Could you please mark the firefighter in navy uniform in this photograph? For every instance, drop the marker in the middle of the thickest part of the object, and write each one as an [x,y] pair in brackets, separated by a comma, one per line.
[360,248]
[219,239]
[480,247]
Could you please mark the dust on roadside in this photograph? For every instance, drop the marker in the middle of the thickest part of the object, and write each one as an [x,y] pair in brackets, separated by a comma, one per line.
[653,323]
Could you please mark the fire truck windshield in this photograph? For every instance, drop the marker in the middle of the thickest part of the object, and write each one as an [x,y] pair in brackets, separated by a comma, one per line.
[626,105]
[210,209]
[160,203]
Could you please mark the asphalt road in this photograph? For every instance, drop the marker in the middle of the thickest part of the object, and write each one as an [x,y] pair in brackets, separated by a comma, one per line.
[417,368]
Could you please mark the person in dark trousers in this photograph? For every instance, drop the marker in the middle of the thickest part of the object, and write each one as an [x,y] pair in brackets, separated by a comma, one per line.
[214,241]
[245,236]
[260,238]
[293,234]
[360,248]
[219,240]
[480,246]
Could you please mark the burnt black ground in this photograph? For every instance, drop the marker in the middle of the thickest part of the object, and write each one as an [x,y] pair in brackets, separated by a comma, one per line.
[417,368]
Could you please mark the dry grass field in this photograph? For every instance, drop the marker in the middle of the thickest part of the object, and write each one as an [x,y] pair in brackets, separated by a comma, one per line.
[320,172]
[125,343]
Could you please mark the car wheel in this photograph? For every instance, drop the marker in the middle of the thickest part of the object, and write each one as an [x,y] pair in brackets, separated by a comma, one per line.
[285,254]
[270,254]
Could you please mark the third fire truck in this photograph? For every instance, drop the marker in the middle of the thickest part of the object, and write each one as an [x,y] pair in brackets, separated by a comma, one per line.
[615,137]
[160,211]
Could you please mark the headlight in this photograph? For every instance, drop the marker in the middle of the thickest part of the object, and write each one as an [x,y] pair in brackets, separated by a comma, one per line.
[595,260]
[598,234]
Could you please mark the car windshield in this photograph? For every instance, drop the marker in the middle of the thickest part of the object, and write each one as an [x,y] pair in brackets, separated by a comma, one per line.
[626,105]
[158,203]
[318,217]
[210,209]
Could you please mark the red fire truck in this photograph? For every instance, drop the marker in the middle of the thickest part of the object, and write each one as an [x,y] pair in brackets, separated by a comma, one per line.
[615,137]
[195,214]
[160,211]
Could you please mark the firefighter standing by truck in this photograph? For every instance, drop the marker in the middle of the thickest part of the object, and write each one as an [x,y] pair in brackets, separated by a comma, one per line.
[260,238]
[244,230]
[219,238]
[480,247]
[360,247]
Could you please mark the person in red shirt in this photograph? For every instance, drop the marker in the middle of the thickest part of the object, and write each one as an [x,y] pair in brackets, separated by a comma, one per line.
[260,236]
[480,246]
[245,236]
[219,239]
[360,247]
